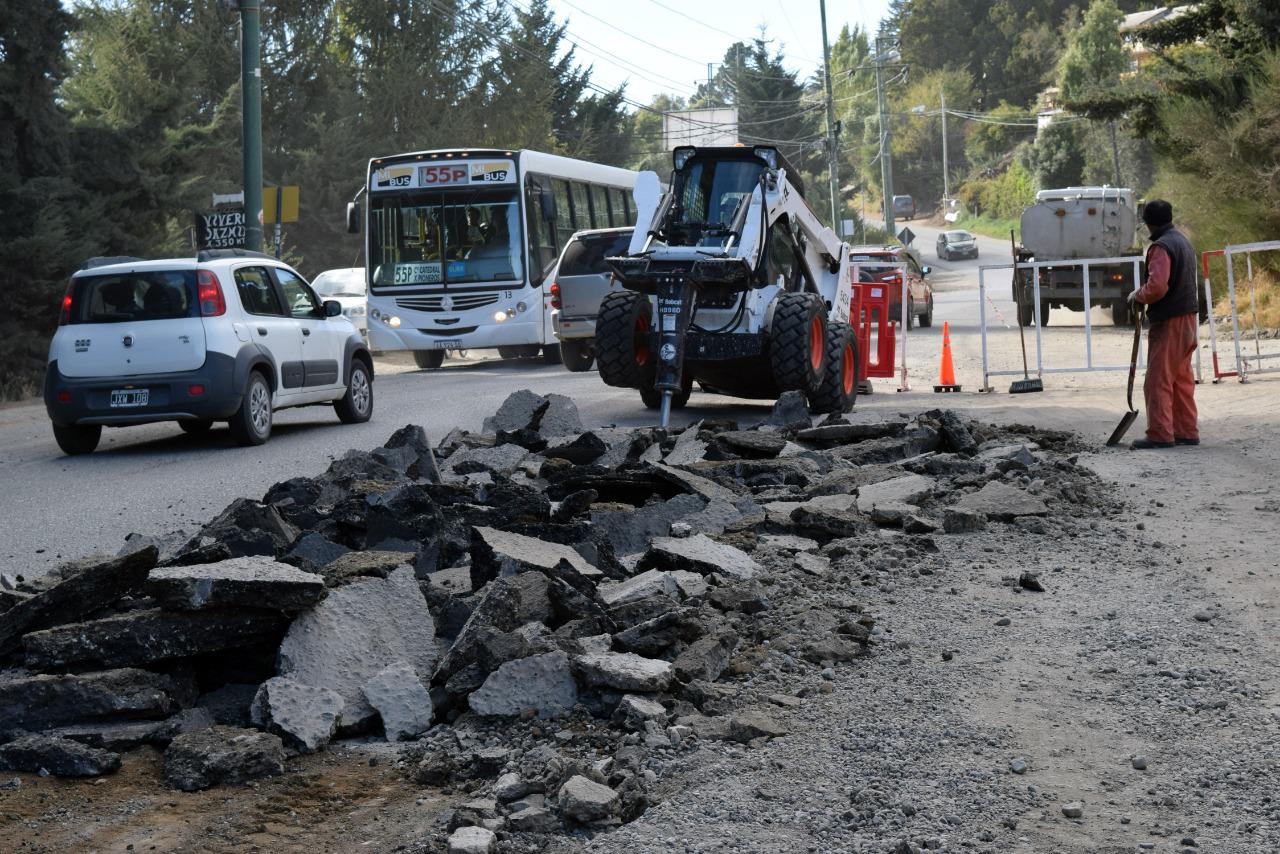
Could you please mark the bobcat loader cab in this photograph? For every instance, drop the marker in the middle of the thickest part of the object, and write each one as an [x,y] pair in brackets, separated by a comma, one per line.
[731,280]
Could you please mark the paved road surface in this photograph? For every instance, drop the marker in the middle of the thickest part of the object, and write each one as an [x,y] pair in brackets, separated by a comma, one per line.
[155,478]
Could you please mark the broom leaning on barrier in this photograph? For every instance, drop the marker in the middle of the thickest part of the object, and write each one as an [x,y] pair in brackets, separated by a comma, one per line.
[1026,384]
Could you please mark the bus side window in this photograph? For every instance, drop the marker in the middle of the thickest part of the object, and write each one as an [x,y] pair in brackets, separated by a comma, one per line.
[631,209]
[599,207]
[564,211]
[581,207]
[618,208]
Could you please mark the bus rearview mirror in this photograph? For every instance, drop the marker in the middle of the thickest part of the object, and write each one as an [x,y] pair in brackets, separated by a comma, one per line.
[353,217]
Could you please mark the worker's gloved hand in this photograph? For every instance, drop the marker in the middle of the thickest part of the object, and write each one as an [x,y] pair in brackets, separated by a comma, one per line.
[1133,297]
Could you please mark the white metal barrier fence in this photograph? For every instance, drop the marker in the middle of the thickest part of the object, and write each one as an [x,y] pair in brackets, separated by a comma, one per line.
[1040,369]
[1245,364]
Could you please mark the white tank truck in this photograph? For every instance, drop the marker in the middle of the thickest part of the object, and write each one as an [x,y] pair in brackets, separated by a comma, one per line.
[730,280]
[1075,223]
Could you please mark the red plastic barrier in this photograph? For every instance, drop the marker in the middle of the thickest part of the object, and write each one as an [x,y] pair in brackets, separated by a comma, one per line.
[869,314]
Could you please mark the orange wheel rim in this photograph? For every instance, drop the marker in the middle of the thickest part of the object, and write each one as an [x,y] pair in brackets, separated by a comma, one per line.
[846,370]
[642,340]
[815,343]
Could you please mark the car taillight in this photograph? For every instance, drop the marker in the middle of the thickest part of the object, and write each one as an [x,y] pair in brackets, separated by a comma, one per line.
[64,396]
[195,390]
[64,317]
[209,294]
[555,295]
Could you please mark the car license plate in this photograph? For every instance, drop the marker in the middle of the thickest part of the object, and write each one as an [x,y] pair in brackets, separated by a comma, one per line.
[129,397]
[448,344]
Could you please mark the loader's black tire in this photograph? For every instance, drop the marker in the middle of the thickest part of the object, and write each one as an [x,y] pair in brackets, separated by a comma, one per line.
[622,340]
[653,398]
[839,387]
[798,342]
[578,354]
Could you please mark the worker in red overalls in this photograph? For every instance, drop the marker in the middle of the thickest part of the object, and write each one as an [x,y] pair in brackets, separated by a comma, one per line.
[1171,294]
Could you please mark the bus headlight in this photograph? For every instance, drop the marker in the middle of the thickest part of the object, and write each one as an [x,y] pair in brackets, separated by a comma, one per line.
[393,322]
[499,316]
[375,314]
[521,307]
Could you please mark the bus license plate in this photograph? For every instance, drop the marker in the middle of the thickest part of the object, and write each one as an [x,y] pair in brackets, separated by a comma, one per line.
[450,344]
[126,398]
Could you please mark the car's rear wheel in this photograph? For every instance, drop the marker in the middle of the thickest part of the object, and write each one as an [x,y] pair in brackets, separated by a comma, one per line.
[577,354]
[429,360]
[195,426]
[78,438]
[251,425]
[356,406]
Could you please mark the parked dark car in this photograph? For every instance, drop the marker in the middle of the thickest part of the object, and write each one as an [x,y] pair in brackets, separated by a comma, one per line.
[957,244]
[904,207]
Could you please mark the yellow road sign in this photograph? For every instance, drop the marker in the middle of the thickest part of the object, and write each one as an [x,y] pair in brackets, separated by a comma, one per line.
[288,204]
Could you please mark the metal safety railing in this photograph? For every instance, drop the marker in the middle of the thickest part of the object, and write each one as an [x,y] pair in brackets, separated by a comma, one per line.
[1245,364]
[1038,322]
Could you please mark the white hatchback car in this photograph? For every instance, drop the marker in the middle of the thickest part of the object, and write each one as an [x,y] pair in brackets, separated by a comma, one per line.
[230,335]
[348,287]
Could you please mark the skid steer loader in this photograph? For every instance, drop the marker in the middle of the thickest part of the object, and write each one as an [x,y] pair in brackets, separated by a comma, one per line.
[730,280]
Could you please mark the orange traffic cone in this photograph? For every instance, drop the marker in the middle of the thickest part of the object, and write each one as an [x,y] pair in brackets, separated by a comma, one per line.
[946,372]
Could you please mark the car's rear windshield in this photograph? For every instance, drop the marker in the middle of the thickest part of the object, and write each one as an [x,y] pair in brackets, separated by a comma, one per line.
[133,297]
[958,236]
[873,269]
[585,255]
[903,199]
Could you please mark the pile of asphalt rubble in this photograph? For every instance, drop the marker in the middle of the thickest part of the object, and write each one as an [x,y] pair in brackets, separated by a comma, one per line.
[544,615]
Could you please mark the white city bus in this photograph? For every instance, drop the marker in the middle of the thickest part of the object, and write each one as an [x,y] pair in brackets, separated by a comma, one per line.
[459,244]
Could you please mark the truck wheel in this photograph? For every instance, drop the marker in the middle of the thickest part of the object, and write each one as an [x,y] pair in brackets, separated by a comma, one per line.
[622,339]
[1044,313]
[839,387]
[577,355]
[798,342]
[429,360]
[77,439]
[551,354]
[1120,313]
[653,398]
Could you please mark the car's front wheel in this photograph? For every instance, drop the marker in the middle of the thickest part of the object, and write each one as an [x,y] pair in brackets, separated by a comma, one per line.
[251,425]
[356,406]
[78,438]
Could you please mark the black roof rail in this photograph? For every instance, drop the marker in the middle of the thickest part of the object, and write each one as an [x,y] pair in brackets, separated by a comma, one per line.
[218,254]
[105,260]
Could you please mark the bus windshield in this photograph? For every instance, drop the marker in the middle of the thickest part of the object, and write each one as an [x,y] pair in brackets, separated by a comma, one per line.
[455,237]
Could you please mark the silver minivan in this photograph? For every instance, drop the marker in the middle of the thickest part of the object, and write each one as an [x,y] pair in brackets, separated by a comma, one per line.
[579,283]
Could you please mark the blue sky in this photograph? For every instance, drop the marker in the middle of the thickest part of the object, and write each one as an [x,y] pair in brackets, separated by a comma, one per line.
[663,46]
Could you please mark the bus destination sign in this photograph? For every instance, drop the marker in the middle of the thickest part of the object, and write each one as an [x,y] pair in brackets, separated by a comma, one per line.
[453,173]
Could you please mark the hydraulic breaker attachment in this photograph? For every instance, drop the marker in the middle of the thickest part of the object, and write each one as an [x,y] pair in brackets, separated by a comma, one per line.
[675,307]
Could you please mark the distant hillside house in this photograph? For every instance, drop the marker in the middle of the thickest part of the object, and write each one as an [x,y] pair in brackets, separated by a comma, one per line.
[1133,24]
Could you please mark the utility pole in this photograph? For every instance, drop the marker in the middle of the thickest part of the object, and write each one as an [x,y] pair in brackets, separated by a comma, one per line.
[832,154]
[946,186]
[251,118]
[886,150]
[1115,155]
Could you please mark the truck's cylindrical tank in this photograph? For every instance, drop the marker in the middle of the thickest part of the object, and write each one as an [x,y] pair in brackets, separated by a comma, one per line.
[1063,224]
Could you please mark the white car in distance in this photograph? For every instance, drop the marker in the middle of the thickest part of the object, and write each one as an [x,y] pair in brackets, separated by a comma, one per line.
[348,287]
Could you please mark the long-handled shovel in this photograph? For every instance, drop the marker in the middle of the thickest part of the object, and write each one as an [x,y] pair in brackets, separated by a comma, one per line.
[1129,417]
[1026,384]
